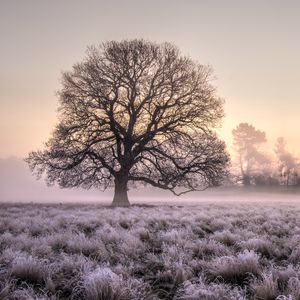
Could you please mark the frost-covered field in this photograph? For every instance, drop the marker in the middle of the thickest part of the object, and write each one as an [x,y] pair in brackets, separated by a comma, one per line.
[204,251]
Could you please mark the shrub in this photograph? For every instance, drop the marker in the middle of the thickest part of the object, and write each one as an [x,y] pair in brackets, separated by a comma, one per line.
[208,248]
[295,255]
[260,245]
[225,237]
[66,273]
[5,287]
[29,270]
[235,269]
[266,288]
[201,290]
[104,284]
[293,288]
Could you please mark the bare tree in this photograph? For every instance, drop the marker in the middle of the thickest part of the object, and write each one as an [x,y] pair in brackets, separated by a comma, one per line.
[247,140]
[135,111]
[287,164]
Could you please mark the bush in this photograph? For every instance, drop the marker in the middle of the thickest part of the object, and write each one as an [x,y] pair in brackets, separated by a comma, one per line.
[104,284]
[29,270]
[235,269]
[212,291]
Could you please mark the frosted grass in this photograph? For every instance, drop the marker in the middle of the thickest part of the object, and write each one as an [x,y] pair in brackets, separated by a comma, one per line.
[204,251]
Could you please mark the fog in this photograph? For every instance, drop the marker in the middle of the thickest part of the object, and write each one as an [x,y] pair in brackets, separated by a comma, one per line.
[17,184]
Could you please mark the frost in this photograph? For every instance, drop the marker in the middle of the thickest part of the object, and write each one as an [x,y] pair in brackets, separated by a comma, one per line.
[206,251]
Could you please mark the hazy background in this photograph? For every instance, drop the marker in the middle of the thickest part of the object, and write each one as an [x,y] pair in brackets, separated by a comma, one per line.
[253,47]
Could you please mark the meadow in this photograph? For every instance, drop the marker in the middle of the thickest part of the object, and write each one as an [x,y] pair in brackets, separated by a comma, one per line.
[210,251]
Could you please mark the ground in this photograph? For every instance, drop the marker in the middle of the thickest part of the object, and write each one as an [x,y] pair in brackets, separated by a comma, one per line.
[211,250]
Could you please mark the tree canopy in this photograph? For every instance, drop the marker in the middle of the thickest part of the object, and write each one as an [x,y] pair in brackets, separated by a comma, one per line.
[135,111]
[247,140]
[288,164]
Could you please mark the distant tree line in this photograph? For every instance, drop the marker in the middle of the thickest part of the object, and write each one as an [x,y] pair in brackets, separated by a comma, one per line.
[252,165]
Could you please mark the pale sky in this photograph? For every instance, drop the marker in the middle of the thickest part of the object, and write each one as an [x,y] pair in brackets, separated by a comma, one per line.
[253,47]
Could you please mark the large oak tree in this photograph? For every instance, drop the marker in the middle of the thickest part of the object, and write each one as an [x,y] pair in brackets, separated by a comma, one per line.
[135,111]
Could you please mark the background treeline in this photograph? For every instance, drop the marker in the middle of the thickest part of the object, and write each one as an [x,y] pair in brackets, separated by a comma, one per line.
[253,165]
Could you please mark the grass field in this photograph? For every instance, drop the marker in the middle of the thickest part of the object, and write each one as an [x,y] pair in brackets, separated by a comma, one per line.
[204,251]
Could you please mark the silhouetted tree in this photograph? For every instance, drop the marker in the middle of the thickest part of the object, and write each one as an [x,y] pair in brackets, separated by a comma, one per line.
[287,163]
[135,111]
[247,140]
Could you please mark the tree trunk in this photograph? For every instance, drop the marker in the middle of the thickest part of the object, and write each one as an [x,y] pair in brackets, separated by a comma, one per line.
[246,180]
[121,196]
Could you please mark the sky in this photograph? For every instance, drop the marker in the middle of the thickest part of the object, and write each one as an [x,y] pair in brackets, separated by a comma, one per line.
[253,47]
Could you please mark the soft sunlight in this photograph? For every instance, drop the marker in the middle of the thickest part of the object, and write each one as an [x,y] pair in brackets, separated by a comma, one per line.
[149,150]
